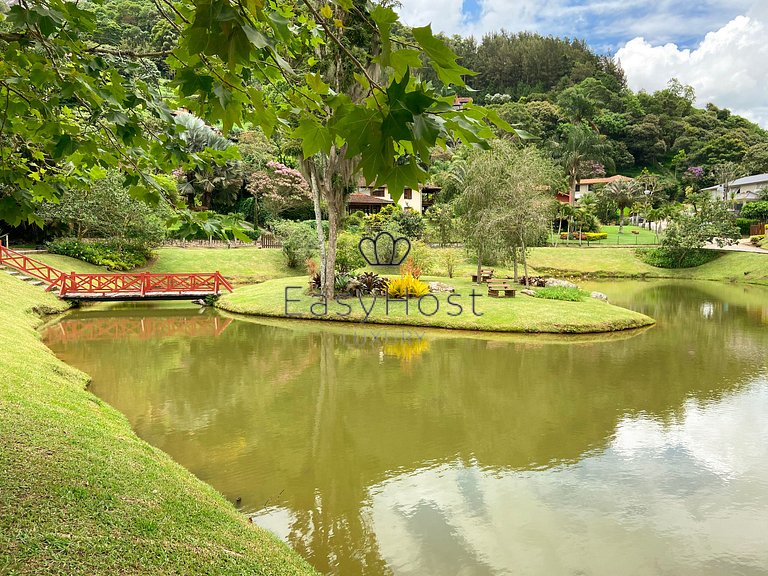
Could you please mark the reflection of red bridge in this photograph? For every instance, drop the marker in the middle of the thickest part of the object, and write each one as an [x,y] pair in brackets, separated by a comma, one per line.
[106,286]
[146,328]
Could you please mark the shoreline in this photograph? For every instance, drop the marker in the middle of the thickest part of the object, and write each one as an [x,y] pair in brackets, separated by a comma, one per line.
[82,493]
[522,314]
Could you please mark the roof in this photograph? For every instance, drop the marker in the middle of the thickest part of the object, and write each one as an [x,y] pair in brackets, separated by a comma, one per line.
[366,199]
[603,180]
[756,179]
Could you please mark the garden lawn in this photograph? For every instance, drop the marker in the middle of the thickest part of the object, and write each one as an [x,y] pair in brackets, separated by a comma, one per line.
[238,265]
[80,493]
[632,236]
[623,263]
[519,314]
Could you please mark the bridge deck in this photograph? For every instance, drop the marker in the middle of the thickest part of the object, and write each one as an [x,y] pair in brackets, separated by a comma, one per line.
[127,296]
[117,286]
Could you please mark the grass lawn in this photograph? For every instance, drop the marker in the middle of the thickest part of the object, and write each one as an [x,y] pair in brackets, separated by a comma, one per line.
[250,265]
[519,314]
[240,265]
[632,236]
[622,262]
[80,493]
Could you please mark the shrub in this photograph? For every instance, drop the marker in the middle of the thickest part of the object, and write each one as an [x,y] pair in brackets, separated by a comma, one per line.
[561,293]
[410,268]
[372,283]
[589,236]
[114,254]
[676,258]
[348,256]
[744,225]
[299,242]
[407,287]
[757,240]
[449,258]
[411,223]
[423,256]
[755,210]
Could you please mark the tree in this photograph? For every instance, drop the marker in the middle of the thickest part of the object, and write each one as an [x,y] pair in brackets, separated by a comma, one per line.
[756,211]
[708,220]
[579,146]
[725,173]
[624,193]
[213,182]
[441,217]
[339,82]
[279,187]
[505,207]
[104,210]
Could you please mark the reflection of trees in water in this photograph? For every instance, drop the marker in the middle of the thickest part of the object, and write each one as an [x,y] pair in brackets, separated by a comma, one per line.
[310,421]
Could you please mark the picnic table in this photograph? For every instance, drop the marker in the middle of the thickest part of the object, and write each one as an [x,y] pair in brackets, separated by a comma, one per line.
[500,289]
[485,275]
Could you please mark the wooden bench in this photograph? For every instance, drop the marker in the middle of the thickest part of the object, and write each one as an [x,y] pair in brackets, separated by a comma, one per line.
[500,290]
[485,275]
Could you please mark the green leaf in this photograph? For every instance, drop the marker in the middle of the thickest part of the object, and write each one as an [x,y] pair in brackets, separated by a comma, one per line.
[256,38]
[384,18]
[315,82]
[442,58]
[313,136]
[402,60]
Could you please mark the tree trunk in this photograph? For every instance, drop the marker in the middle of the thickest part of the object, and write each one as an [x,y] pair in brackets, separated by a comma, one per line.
[559,229]
[335,210]
[309,168]
[514,263]
[572,189]
[525,262]
[621,220]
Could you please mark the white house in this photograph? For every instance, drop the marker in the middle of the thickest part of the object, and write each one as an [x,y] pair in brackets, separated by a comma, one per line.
[741,190]
[586,185]
[370,200]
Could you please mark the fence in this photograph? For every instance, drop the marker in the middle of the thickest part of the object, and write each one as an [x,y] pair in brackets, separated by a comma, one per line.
[268,240]
[756,229]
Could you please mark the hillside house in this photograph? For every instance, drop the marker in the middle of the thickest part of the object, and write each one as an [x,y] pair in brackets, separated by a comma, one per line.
[740,191]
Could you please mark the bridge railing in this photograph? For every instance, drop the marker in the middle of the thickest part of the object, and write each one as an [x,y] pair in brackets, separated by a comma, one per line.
[28,266]
[142,283]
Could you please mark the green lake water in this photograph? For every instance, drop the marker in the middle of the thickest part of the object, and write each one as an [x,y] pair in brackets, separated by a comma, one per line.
[410,452]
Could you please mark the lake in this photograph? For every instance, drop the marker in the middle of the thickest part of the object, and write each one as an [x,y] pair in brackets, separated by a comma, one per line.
[404,451]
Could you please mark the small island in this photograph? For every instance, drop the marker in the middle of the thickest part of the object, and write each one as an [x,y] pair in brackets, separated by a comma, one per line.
[468,307]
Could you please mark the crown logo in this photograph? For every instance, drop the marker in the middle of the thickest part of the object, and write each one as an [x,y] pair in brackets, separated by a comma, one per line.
[383,249]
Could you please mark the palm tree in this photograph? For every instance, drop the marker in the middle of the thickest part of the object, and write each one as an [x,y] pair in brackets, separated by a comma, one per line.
[624,192]
[579,146]
[217,181]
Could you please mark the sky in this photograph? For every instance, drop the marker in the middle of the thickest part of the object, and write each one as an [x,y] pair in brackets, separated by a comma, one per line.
[720,47]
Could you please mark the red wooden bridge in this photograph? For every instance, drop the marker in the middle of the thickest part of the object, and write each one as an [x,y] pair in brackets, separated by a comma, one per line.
[108,286]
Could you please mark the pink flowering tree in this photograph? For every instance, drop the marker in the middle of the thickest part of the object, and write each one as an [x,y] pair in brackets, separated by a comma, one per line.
[277,188]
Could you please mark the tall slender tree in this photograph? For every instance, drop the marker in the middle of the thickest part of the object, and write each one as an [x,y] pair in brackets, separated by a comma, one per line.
[624,193]
[579,146]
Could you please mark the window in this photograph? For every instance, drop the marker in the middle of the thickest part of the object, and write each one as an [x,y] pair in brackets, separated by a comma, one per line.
[589,188]
[408,194]
[378,192]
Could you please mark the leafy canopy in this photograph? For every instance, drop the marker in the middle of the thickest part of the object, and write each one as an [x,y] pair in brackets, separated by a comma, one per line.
[229,53]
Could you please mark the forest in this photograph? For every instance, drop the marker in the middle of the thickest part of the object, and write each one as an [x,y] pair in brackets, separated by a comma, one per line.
[553,91]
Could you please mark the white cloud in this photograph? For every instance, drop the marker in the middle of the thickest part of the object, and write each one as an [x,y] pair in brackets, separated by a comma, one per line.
[727,68]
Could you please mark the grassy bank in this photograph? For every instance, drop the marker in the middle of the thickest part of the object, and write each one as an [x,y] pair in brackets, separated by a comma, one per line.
[519,314]
[80,493]
[240,265]
[630,236]
[624,263]
[249,265]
